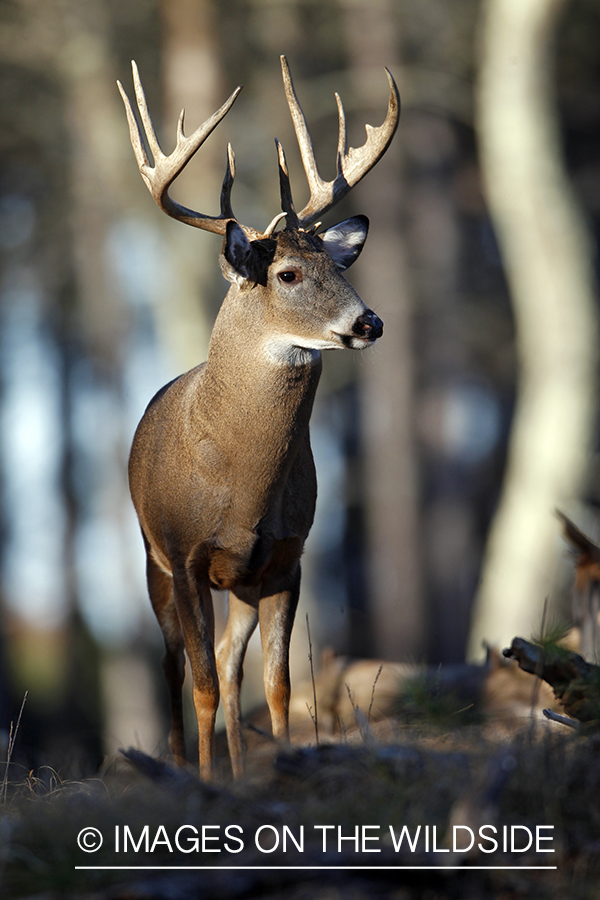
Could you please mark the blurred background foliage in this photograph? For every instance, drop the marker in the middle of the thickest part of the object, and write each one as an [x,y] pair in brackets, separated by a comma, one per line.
[103,299]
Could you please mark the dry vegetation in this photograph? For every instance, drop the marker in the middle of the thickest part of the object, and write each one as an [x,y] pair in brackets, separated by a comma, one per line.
[433,763]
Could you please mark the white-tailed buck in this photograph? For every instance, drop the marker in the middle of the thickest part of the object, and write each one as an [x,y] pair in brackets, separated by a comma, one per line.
[221,469]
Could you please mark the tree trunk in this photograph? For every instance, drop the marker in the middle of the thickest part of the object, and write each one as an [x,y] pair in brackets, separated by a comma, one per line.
[386,388]
[547,258]
[192,80]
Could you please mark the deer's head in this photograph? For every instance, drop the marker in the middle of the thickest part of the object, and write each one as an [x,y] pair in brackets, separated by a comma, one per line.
[309,300]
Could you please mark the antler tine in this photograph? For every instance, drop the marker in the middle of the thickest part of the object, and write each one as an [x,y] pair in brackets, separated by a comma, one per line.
[226,210]
[315,182]
[134,130]
[159,177]
[142,105]
[287,203]
[352,164]
[342,140]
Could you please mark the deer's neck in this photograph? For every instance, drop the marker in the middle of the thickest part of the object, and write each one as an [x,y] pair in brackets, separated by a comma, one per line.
[258,380]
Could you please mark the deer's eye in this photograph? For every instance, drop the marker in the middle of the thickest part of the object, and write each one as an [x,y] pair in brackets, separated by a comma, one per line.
[290,276]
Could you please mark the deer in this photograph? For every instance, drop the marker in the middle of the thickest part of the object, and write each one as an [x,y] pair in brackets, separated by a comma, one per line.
[221,470]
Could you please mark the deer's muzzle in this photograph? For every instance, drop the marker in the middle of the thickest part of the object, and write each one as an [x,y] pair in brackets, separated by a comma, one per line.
[368,326]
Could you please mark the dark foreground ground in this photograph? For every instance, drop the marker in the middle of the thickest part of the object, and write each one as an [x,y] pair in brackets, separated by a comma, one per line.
[451,781]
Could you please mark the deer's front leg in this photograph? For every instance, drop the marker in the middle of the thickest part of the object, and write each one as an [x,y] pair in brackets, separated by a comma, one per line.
[241,622]
[194,607]
[276,616]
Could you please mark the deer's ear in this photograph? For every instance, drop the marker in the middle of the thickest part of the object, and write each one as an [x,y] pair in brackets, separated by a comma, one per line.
[345,240]
[237,252]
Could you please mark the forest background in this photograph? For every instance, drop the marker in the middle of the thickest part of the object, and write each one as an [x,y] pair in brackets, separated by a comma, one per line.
[441,453]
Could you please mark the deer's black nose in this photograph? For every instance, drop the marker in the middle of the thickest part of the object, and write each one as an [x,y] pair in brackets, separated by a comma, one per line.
[368,326]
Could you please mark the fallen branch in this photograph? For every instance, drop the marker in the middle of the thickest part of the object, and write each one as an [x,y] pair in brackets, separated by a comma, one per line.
[564,720]
[575,682]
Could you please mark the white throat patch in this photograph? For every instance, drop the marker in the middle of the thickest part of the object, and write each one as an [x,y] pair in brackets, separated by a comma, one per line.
[293,350]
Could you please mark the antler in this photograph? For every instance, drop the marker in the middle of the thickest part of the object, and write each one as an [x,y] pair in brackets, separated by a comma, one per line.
[352,164]
[158,178]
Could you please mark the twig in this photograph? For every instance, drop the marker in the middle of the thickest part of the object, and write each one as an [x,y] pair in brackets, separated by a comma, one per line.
[359,716]
[315,718]
[373,692]
[564,720]
[265,734]
[12,737]
[350,697]
[535,692]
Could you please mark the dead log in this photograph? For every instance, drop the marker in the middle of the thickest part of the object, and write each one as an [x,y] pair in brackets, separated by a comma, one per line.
[575,682]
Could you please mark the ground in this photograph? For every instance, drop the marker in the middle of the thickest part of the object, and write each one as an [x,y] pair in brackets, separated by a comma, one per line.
[453,772]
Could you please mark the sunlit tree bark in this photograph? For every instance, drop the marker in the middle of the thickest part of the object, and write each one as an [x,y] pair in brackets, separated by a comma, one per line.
[546,253]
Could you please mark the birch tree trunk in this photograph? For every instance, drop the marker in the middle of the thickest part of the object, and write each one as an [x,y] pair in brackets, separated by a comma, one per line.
[547,258]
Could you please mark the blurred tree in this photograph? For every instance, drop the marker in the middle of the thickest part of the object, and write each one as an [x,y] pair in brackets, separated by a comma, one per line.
[62,170]
[191,75]
[51,654]
[115,298]
[547,257]
[394,615]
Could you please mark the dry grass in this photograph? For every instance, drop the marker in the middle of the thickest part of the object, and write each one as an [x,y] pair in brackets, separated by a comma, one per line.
[403,774]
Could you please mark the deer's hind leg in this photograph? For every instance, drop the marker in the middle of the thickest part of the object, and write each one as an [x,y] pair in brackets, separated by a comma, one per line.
[193,601]
[160,589]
